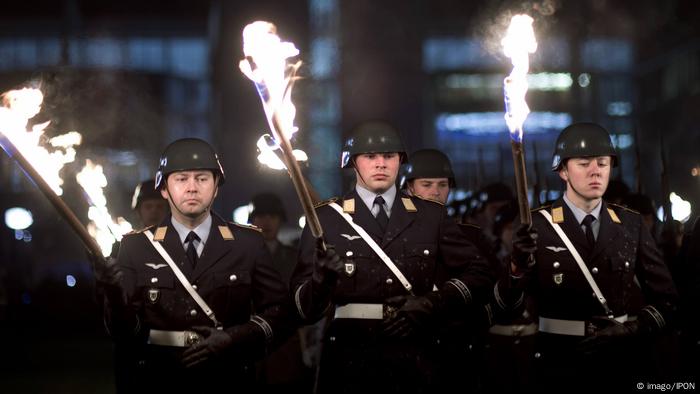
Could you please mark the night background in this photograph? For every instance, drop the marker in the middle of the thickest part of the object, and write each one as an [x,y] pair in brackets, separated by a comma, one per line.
[132,76]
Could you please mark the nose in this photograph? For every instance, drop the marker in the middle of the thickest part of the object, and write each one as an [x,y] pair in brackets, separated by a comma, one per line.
[380,162]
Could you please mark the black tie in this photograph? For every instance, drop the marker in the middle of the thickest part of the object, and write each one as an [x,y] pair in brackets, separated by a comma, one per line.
[588,224]
[191,248]
[381,217]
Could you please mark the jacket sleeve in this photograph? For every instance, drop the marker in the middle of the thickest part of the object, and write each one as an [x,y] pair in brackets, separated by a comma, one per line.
[311,300]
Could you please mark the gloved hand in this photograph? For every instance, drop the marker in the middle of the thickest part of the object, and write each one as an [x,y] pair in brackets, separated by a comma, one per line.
[524,247]
[606,333]
[214,343]
[413,315]
[107,271]
[328,267]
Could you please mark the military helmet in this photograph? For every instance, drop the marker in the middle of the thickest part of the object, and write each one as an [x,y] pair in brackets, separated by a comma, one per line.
[582,140]
[371,137]
[145,190]
[429,163]
[188,154]
[267,204]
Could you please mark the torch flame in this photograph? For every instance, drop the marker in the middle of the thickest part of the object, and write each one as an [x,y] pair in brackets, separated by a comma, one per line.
[518,43]
[266,64]
[19,106]
[105,230]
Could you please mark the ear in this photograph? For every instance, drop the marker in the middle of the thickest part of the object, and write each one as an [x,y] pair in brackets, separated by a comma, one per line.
[564,173]
[164,191]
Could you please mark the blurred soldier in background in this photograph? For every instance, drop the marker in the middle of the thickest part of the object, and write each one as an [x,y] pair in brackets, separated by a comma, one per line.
[149,205]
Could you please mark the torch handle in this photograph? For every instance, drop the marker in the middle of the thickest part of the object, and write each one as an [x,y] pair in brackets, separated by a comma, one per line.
[53,198]
[521,181]
[297,178]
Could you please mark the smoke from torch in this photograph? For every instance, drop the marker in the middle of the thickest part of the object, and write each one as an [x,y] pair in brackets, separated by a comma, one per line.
[518,44]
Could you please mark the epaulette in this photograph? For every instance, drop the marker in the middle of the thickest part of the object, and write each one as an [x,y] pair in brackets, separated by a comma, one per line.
[430,199]
[625,208]
[247,226]
[325,202]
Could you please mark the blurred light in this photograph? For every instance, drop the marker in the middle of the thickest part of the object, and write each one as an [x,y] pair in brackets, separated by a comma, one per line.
[550,81]
[619,108]
[18,218]
[26,236]
[584,80]
[492,123]
[680,209]
[241,214]
[554,194]
[695,171]
[70,280]
[19,234]
[26,298]
[302,221]
[622,141]
[450,211]
[461,194]
[538,81]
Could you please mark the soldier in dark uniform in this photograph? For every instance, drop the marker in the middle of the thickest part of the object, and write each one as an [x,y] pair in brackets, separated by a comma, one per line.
[150,207]
[429,175]
[185,345]
[283,370]
[585,339]
[379,337]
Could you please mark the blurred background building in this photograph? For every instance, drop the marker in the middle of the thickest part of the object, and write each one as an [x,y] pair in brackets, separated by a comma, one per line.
[131,76]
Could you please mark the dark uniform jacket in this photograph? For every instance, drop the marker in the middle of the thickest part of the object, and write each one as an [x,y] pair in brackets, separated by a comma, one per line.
[233,275]
[428,248]
[623,249]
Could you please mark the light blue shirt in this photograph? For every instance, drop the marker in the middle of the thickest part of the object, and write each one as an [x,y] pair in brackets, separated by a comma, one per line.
[368,198]
[202,232]
[580,214]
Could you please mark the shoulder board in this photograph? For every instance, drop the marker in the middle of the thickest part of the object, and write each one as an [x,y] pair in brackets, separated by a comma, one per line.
[430,199]
[617,206]
[469,225]
[541,208]
[326,202]
[246,226]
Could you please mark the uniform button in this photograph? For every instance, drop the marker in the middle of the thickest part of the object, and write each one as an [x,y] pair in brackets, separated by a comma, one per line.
[389,281]
[194,287]
[538,355]
[232,278]
[556,265]
[154,280]
[595,270]
[426,252]
[193,312]
[349,253]
[332,339]
[627,264]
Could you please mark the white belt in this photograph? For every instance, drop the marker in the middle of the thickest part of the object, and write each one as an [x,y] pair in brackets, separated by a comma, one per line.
[514,330]
[173,338]
[568,327]
[360,311]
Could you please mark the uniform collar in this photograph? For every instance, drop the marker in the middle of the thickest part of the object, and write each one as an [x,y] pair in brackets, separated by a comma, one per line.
[202,230]
[368,197]
[579,213]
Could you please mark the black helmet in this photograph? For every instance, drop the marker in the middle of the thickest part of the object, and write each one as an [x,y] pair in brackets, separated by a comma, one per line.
[429,163]
[267,203]
[145,190]
[582,140]
[188,154]
[371,137]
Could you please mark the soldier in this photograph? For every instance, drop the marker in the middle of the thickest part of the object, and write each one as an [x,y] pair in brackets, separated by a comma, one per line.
[578,261]
[429,175]
[268,215]
[148,204]
[196,294]
[383,296]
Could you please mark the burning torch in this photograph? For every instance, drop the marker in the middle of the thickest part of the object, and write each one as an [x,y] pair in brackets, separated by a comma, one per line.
[22,145]
[518,43]
[266,65]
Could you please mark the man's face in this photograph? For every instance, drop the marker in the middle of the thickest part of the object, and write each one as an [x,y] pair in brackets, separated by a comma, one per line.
[377,172]
[269,224]
[431,188]
[190,193]
[152,211]
[587,177]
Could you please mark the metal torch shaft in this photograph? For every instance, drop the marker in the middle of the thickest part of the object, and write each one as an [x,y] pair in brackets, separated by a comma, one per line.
[521,181]
[53,198]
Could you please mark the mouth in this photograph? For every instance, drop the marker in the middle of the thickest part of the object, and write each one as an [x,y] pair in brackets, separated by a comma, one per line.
[380,177]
